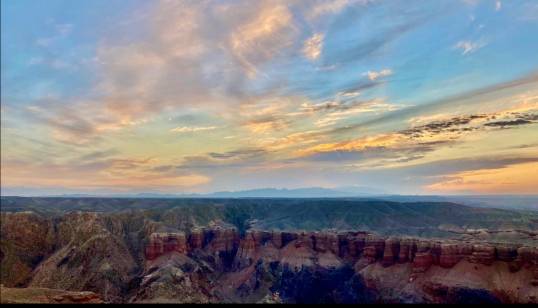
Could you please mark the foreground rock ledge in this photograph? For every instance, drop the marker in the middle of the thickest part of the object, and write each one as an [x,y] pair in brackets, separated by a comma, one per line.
[46,296]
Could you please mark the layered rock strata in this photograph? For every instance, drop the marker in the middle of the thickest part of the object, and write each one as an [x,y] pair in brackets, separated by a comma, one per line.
[421,253]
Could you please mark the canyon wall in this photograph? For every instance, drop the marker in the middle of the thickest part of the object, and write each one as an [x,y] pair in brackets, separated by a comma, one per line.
[383,269]
[350,246]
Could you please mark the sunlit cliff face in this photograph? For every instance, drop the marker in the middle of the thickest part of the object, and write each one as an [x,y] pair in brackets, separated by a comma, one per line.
[197,96]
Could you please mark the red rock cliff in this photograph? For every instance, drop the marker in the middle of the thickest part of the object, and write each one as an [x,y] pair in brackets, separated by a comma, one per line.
[422,253]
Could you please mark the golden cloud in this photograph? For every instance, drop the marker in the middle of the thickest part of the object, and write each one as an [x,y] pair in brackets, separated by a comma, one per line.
[515,179]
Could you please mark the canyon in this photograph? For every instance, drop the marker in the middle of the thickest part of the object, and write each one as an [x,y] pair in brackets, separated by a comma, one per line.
[141,257]
[428,267]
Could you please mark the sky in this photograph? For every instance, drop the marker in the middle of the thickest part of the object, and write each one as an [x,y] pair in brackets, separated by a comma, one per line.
[407,97]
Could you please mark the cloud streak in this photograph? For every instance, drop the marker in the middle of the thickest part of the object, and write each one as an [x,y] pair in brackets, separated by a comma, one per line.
[469,47]
[192,129]
[373,75]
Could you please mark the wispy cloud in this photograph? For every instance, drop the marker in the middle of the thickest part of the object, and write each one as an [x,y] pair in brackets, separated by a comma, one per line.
[469,47]
[373,75]
[475,97]
[60,31]
[328,7]
[439,132]
[192,129]
[239,158]
[313,46]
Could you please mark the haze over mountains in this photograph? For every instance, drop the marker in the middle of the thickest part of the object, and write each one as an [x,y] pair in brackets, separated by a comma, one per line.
[522,202]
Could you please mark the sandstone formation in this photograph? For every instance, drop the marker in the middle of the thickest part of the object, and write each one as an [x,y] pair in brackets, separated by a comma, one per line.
[421,253]
[280,261]
[161,243]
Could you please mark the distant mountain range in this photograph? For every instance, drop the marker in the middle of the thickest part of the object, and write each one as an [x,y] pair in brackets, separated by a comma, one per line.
[308,192]
[519,202]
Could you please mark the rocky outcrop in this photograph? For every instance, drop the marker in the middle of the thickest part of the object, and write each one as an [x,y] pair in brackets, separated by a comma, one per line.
[408,249]
[450,255]
[391,252]
[423,258]
[161,243]
[374,247]
[483,254]
[506,253]
[196,238]
[326,242]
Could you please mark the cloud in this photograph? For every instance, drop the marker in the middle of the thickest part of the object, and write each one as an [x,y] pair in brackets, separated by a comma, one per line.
[44,42]
[529,12]
[313,46]
[516,178]
[81,123]
[239,158]
[192,129]
[451,125]
[212,55]
[322,8]
[240,69]
[467,99]
[265,116]
[504,124]
[112,174]
[421,138]
[238,154]
[183,56]
[324,106]
[61,31]
[206,53]
[516,119]
[53,63]
[373,75]
[267,124]
[344,111]
[383,34]
[64,29]
[471,2]
[498,5]
[469,47]
[263,36]
[97,155]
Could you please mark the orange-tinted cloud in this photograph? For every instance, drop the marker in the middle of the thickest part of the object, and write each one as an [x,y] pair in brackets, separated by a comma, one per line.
[514,179]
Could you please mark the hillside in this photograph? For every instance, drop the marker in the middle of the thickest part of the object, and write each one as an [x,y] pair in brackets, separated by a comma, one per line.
[425,219]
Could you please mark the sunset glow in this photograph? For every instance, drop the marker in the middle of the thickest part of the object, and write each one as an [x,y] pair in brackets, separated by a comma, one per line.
[109,96]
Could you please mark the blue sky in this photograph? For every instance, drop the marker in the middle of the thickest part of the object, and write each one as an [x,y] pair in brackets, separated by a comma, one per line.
[195,96]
